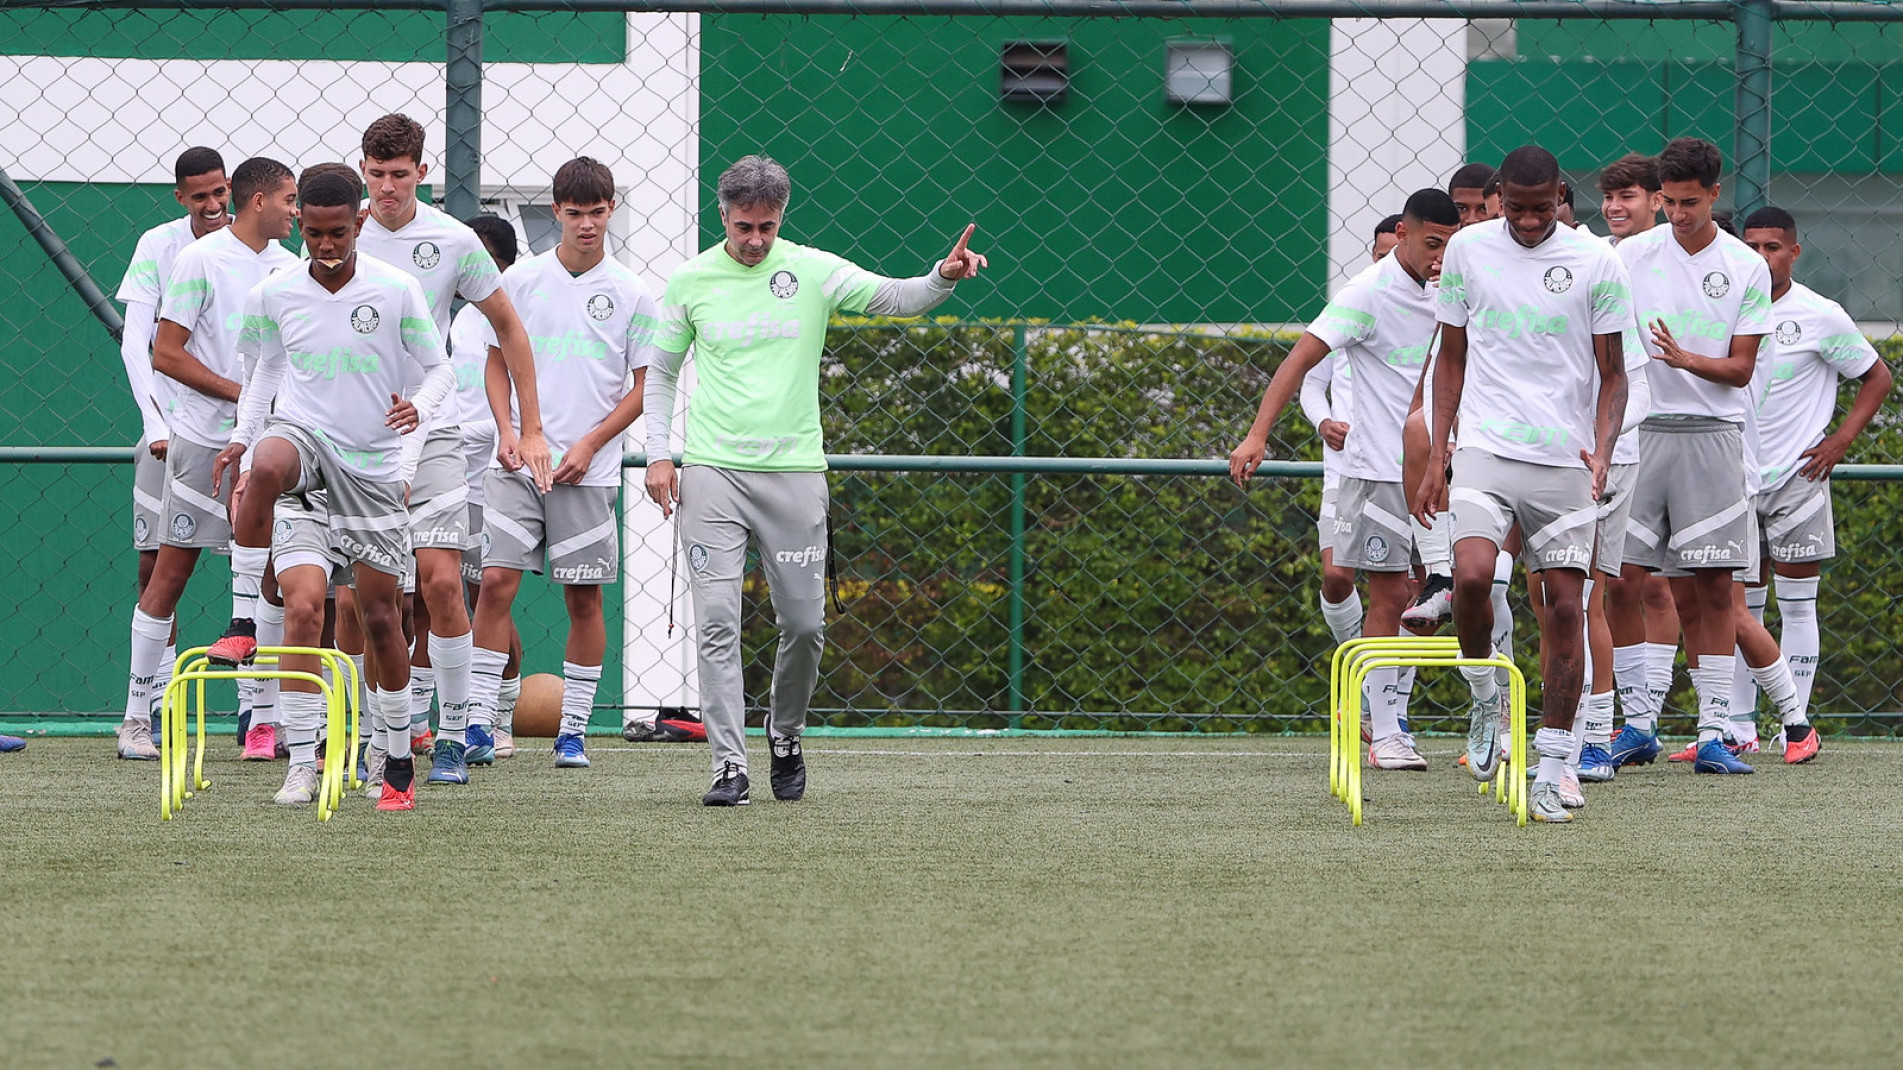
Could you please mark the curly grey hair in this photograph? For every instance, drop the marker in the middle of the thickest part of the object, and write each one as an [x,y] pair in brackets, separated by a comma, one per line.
[754,181]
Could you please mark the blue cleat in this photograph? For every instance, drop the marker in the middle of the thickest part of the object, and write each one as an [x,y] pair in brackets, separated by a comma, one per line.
[1595,763]
[569,752]
[11,743]
[1634,746]
[1715,757]
[447,764]
[479,747]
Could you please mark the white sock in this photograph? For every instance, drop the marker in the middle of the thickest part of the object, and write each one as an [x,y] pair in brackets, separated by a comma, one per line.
[248,699]
[1781,688]
[1580,713]
[506,697]
[1403,693]
[149,636]
[452,656]
[1381,705]
[1744,700]
[1596,727]
[1712,681]
[1658,673]
[366,709]
[270,633]
[394,708]
[1797,631]
[303,719]
[1434,545]
[422,693]
[247,576]
[1635,693]
[1502,611]
[168,663]
[1481,682]
[485,684]
[578,696]
[1343,617]
[1554,745]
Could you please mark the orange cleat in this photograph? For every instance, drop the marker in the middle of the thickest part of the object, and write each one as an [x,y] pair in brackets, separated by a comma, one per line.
[424,743]
[1797,751]
[1689,754]
[392,799]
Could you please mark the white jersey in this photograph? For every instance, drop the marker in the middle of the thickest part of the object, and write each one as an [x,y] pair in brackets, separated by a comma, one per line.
[1328,394]
[1531,389]
[590,333]
[1813,344]
[206,295]
[144,284]
[1638,367]
[332,360]
[1705,300]
[1381,323]
[469,358]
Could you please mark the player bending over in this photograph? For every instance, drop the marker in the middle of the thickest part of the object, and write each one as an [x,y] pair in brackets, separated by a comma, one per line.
[1531,316]
[591,323]
[335,342]
[754,310]
[1381,323]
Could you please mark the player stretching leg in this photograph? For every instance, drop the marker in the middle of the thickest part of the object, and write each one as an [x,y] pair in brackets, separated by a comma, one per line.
[1704,304]
[592,323]
[1813,344]
[202,191]
[1530,361]
[1380,323]
[754,310]
[197,348]
[334,343]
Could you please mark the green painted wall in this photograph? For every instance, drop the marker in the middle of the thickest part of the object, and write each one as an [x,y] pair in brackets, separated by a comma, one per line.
[388,36]
[66,603]
[1113,204]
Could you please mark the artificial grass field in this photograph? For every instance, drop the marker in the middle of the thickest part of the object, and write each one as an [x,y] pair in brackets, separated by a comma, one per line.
[961,902]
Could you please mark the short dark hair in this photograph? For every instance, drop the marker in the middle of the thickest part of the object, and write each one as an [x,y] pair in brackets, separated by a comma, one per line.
[1723,217]
[1771,217]
[584,180]
[328,185]
[1690,159]
[1566,193]
[195,161]
[498,235]
[393,137]
[1431,206]
[259,174]
[1470,176]
[1529,165]
[1388,225]
[1492,187]
[1628,171]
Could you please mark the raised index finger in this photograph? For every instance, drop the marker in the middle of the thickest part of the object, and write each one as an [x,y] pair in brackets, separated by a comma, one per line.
[963,238]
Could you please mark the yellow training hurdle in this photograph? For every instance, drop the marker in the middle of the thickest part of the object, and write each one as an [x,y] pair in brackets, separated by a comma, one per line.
[1348,674]
[193,670]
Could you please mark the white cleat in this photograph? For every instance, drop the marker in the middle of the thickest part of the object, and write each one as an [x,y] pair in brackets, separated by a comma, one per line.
[300,787]
[373,766]
[1434,607]
[1569,794]
[1396,752]
[1544,805]
[135,742]
[505,743]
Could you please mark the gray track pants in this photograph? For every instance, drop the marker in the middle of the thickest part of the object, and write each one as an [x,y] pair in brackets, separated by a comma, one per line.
[784,513]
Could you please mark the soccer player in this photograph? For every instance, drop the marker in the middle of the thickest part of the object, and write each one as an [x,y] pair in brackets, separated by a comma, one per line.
[1530,361]
[592,323]
[1467,186]
[1385,237]
[334,342]
[754,310]
[201,189]
[1629,196]
[1703,301]
[1381,323]
[1813,345]
[197,349]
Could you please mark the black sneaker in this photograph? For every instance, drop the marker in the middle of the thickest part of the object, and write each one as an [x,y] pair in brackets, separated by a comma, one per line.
[729,790]
[789,770]
[655,731]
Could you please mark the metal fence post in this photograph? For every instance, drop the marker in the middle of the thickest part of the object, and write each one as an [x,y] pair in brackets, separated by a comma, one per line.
[1016,661]
[1755,19]
[462,113]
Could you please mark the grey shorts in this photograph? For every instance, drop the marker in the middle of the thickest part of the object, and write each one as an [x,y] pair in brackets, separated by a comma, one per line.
[148,497]
[1370,530]
[439,494]
[1689,509]
[1797,521]
[1325,518]
[1552,505]
[354,520]
[479,448]
[193,516]
[575,528]
[472,552]
[1615,516]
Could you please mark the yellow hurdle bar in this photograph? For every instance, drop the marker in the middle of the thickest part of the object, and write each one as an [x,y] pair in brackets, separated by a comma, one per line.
[1348,674]
[191,672]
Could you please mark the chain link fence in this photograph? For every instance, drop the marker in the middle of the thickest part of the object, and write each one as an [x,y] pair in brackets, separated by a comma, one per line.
[1166,195]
